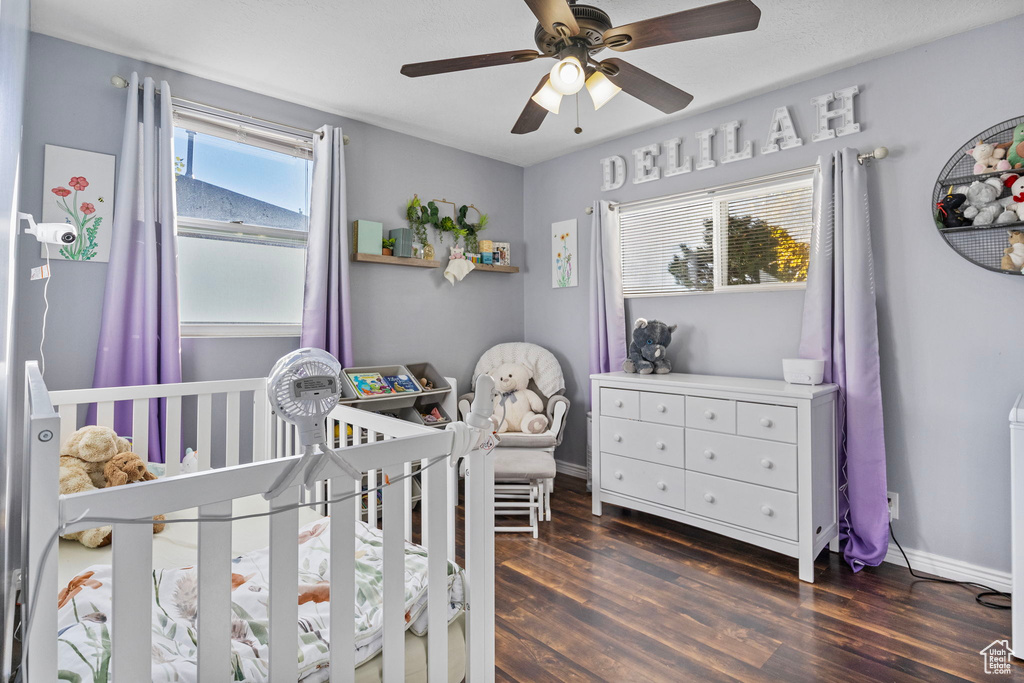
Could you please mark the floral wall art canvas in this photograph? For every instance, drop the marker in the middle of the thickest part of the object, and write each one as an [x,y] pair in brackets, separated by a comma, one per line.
[78,188]
[564,260]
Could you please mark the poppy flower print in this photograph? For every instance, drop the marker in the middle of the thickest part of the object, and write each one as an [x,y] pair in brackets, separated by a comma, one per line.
[84,218]
[61,191]
[87,208]
[79,183]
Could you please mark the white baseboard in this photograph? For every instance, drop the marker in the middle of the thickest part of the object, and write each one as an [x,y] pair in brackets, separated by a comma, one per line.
[949,568]
[573,470]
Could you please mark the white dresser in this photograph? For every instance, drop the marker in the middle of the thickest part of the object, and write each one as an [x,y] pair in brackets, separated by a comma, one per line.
[746,458]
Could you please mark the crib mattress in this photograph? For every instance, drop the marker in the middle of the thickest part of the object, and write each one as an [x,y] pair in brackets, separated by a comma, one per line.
[176,545]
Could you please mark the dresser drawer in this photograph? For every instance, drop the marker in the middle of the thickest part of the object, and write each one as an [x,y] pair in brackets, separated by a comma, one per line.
[620,403]
[643,480]
[643,441]
[767,463]
[758,508]
[714,414]
[777,423]
[668,409]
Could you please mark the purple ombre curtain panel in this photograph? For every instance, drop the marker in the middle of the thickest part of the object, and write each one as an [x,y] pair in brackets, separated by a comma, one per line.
[607,309]
[139,340]
[326,316]
[840,326]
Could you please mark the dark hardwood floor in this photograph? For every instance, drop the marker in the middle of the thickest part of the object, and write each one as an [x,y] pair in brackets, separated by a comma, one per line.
[628,597]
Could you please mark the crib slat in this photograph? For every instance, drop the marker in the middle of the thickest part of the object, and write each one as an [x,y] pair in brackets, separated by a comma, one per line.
[214,614]
[343,566]
[480,567]
[435,530]
[407,485]
[68,421]
[105,414]
[231,425]
[131,627]
[204,409]
[289,444]
[453,504]
[394,579]
[284,582]
[172,456]
[140,428]
[371,498]
[260,425]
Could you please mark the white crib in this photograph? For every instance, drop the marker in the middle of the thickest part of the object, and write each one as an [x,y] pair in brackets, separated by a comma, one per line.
[381,446]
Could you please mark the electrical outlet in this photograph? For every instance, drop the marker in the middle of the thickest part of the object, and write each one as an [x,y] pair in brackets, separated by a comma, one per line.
[894,505]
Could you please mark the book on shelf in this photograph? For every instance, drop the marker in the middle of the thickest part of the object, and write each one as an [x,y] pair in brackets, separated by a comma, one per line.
[369,384]
[402,384]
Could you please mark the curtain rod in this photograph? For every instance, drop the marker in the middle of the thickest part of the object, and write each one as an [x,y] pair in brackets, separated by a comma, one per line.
[121,82]
[877,153]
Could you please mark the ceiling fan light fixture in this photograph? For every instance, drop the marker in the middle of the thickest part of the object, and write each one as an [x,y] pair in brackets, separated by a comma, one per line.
[601,89]
[567,76]
[548,97]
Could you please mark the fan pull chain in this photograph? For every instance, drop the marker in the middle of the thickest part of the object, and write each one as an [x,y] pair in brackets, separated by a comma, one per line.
[577,129]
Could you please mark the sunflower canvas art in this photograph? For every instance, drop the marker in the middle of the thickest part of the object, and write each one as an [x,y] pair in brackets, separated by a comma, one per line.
[78,188]
[564,261]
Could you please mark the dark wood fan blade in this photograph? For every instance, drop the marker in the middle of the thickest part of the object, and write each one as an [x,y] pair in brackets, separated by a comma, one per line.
[533,114]
[443,66]
[645,87]
[731,16]
[551,12]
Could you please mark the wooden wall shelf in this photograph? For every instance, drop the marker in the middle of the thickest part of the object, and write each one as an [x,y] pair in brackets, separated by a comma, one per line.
[396,260]
[495,269]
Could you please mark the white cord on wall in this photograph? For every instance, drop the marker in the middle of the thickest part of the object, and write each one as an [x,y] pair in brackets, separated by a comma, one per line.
[46,309]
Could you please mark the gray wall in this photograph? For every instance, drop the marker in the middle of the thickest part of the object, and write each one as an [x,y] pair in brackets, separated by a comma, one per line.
[948,329]
[399,314]
[13,45]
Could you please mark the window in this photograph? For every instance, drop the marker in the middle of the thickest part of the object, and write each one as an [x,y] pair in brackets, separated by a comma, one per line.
[243,215]
[756,236]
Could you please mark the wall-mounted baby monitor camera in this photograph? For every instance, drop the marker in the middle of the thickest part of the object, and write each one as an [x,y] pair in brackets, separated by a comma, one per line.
[50,233]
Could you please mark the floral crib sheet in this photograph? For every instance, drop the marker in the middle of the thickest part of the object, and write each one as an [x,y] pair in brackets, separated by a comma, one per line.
[84,605]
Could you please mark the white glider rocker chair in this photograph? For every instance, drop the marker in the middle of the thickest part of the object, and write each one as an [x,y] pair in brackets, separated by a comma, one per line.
[524,464]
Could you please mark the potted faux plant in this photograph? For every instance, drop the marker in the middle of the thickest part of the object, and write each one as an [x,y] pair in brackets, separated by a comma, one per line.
[387,245]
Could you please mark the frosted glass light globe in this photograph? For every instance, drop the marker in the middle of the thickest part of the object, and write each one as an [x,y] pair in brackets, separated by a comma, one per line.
[567,76]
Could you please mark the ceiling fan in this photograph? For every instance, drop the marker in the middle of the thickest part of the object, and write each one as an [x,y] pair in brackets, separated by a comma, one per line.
[573,34]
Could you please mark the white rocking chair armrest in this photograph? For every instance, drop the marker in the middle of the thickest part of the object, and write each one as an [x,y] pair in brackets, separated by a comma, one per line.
[558,408]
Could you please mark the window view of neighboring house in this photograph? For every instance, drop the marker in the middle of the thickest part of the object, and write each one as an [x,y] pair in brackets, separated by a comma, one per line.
[243,215]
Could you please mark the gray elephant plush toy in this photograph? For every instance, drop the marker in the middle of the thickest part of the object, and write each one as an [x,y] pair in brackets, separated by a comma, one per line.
[647,351]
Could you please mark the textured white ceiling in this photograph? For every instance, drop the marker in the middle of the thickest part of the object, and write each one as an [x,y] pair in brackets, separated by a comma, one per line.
[344,57]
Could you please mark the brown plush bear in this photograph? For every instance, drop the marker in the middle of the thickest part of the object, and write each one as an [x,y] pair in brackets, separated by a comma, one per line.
[81,469]
[1013,255]
[127,468]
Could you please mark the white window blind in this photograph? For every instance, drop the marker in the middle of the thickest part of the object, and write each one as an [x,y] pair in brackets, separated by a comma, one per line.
[753,236]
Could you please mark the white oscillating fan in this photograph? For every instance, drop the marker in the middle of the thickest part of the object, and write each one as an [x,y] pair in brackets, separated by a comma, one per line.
[303,388]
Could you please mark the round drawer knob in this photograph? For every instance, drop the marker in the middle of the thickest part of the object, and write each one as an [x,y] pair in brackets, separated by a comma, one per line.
[662,486]
[709,498]
[660,445]
[618,437]
[765,422]
[662,408]
[767,511]
[618,475]
[710,455]
[709,414]
[618,403]
[767,464]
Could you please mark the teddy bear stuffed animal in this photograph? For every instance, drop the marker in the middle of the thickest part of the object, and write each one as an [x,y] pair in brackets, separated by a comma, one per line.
[988,157]
[647,351]
[1016,205]
[127,468]
[1013,255]
[517,408]
[82,460]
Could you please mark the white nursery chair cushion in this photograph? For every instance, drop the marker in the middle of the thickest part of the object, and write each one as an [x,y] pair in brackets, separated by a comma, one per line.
[546,439]
[547,373]
[511,463]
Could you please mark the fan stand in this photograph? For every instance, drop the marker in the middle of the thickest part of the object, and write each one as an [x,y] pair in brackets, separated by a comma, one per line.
[313,460]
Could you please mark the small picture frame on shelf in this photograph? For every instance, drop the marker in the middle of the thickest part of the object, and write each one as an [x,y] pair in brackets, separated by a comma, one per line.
[504,254]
